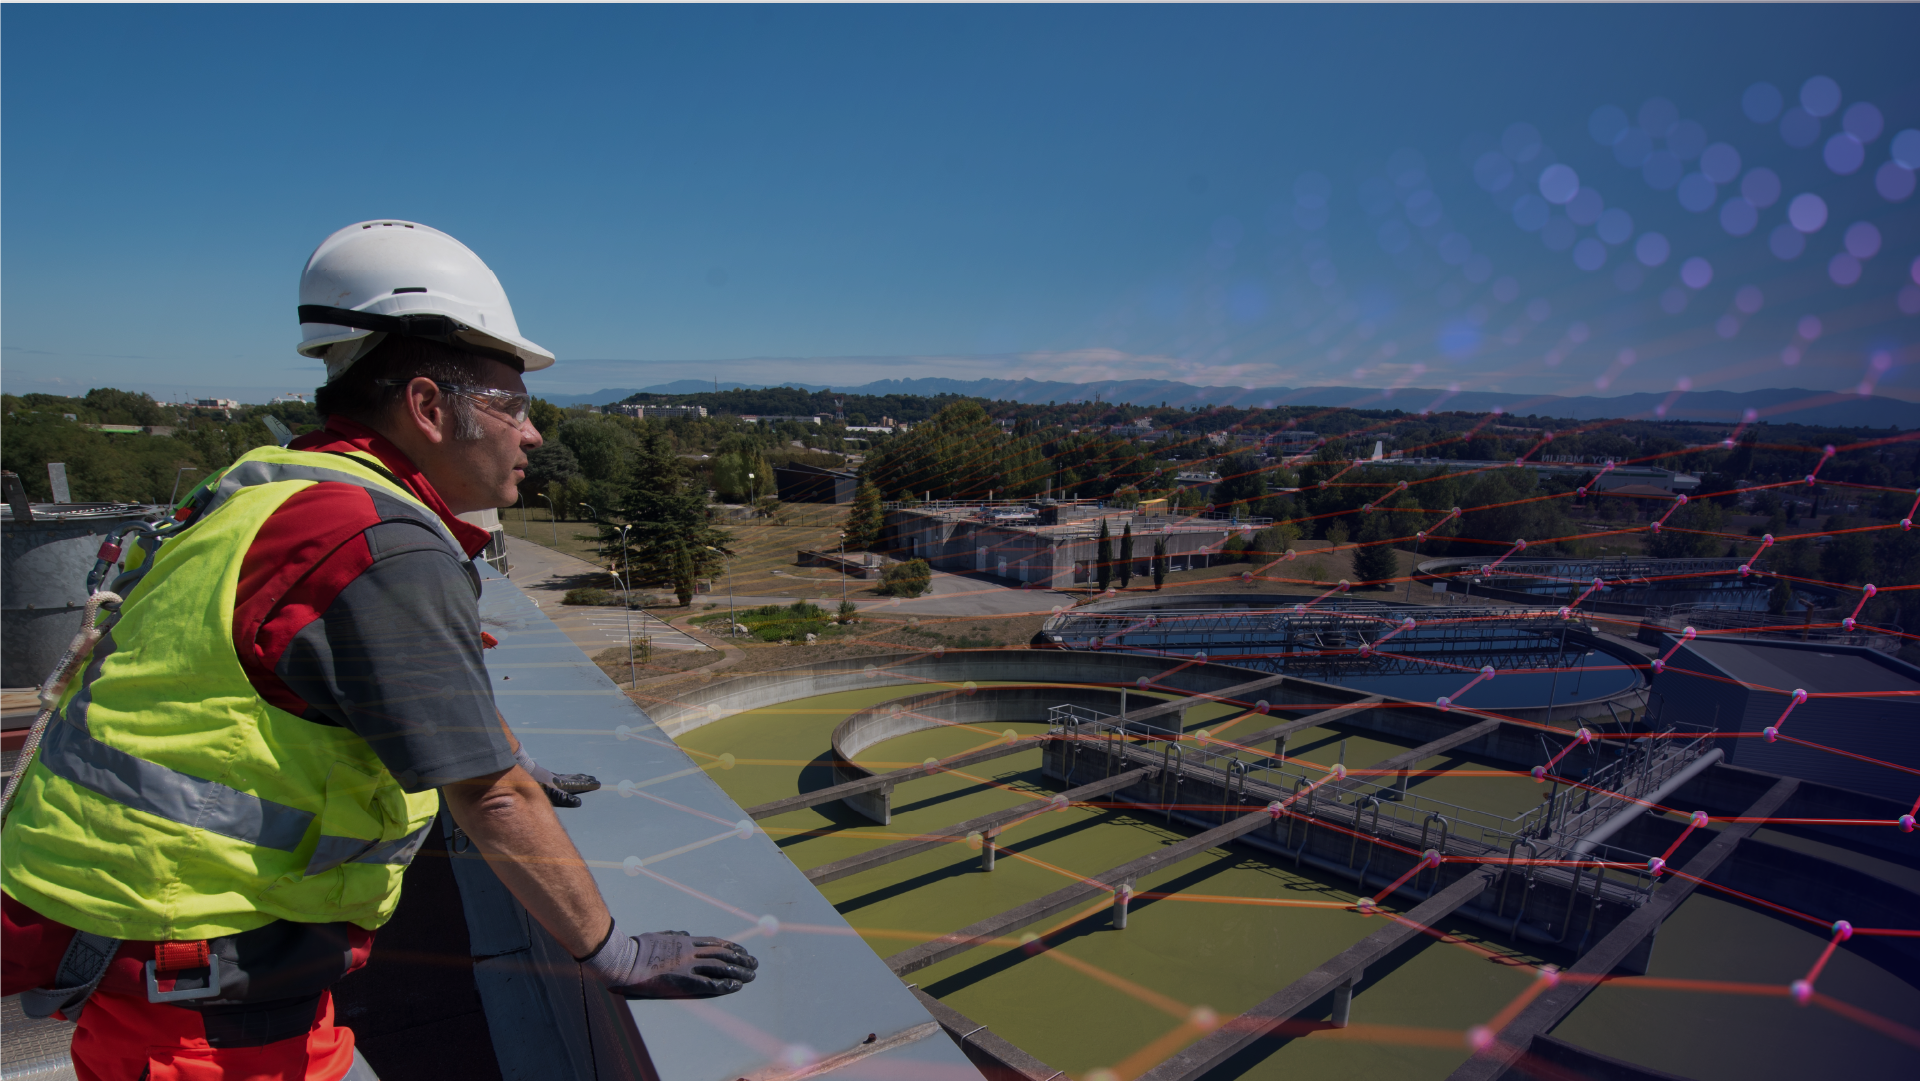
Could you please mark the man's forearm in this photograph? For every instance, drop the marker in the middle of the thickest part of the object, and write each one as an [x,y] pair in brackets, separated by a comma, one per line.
[509,818]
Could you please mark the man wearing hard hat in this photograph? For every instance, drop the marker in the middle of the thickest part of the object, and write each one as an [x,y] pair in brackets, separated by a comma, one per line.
[225,799]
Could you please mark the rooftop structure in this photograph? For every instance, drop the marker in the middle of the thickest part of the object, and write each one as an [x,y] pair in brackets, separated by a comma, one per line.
[1594,475]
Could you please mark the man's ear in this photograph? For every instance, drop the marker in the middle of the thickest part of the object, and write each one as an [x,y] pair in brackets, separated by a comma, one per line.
[424,410]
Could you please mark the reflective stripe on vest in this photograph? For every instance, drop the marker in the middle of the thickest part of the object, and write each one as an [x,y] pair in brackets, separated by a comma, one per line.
[334,851]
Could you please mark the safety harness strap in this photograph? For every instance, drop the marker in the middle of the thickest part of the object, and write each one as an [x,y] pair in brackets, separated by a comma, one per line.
[81,969]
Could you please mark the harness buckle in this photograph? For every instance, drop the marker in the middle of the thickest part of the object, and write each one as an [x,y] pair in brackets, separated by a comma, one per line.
[209,960]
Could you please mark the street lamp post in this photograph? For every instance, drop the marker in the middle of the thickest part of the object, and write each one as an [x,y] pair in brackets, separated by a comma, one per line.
[843,568]
[523,514]
[626,604]
[553,519]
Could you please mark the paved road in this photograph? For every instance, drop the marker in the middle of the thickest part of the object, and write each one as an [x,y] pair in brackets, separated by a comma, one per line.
[546,575]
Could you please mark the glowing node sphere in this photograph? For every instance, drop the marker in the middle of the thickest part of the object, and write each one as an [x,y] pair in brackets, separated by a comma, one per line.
[1520,544]
[632,865]
[1550,975]
[1842,930]
[1906,823]
[1745,570]
[1583,737]
[939,652]
[1698,819]
[1274,810]
[1443,702]
[1870,589]
[871,672]
[1367,507]
[1010,736]
[1141,683]
[769,925]
[1454,513]
[1408,624]
[727,761]
[1486,672]
[1403,485]
[930,762]
[1365,905]
[1060,803]
[1597,583]
[626,788]
[1771,733]
[1659,665]
[1262,707]
[1366,651]
[1827,451]
[1802,991]
[1906,524]
[1687,634]
[1655,527]
[1680,500]
[1847,623]
[1345,585]
[1479,1037]
[969,687]
[1655,866]
[1519,462]
[1339,771]
[1421,535]
[1204,1018]
[1431,857]
[1799,697]
[1810,478]
[623,733]
[1726,444]
[1539,774]
[1290,555]
[1766,541]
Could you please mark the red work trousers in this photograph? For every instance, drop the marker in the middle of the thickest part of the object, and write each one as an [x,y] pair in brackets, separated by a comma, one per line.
[121,1036]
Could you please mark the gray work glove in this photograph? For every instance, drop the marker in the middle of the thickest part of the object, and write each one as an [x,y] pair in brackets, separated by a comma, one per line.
[562,789]
[670,964]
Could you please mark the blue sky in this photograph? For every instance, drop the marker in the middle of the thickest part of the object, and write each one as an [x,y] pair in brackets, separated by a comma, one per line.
[1225,195]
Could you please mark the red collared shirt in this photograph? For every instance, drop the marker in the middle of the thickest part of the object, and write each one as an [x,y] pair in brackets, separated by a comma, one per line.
[348,614]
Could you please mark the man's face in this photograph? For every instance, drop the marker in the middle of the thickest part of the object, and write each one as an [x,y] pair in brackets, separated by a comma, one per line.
[477,474]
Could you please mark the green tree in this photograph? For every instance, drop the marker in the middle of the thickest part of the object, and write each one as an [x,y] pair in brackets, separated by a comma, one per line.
[683,574]
[666,520]
[546,417]
[865,519]
[1848,559]
[1375,561]
[909,579]
[1242,486]
[1126,554]
[1159,562]
[1103,556]
[1688,533]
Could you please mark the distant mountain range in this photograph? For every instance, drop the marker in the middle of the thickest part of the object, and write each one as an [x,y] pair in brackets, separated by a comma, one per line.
[1787,405]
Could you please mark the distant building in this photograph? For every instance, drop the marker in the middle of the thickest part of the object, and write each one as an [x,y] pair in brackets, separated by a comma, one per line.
[216,403]
[762,418]
[801,483]
[880,428]
[661,412]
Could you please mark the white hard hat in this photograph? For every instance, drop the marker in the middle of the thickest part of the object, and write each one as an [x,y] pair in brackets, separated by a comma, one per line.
[376,278]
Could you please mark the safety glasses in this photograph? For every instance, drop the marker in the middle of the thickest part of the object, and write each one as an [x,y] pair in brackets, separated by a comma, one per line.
[512,405]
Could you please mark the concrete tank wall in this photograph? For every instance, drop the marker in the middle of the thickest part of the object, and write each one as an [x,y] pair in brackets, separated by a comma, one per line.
[43,586]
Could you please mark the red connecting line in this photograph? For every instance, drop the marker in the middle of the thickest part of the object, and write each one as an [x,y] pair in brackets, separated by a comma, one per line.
[1406,624]
[1446,701]
[1824,455]
[1686,635]
[1772,731]
[1866,594]
[1518,547]
[1695,821]
[1580,739]
[1678,502]
[1428,859]
[1802,989]
[1341,588]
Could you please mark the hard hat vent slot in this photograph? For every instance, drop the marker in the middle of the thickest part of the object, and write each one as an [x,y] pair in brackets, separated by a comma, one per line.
[411,289]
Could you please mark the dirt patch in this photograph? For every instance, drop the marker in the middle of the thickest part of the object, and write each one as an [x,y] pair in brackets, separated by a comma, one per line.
[613,661]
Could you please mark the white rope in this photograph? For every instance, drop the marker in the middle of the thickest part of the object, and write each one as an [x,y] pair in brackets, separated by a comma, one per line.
[56,685]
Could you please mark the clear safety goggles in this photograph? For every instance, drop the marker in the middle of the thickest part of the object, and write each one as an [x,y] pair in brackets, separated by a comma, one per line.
[510,404]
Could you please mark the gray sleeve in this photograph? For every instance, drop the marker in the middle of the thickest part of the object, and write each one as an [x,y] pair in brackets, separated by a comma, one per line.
[396,657]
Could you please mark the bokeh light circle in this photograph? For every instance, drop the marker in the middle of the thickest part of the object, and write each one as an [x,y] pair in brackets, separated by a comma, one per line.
[1844,269]
[1662,170]
[1844,154]
[1906,149]
[1863,240]
[1615,226]
[1658,116]
[1590,254]
[1799,128]
[1738,217]
[1697,273]
[1559,184]
[1761,187]
[1863,121]
[1720,162]
[1697,193]
[1787,242]
[1652,249]
[1807,212]
[1687,139]
[1761,102]
[1820,96]
[1893,181]
[1607,124]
